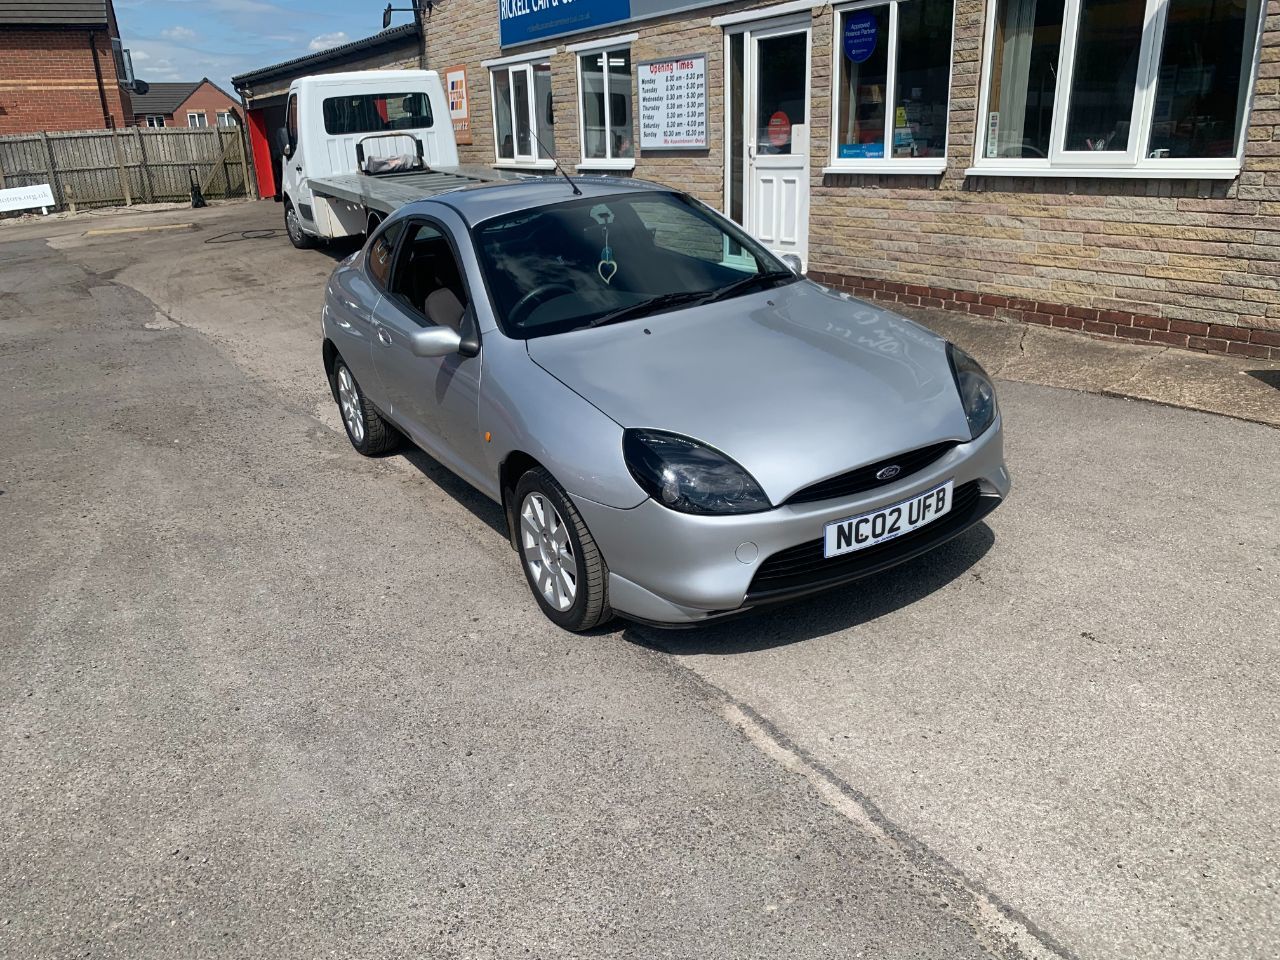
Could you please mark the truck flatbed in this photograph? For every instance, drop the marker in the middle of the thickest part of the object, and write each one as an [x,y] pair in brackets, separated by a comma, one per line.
[389,192]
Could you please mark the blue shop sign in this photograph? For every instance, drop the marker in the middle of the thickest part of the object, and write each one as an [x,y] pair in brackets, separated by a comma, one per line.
[525,20]
[860,34]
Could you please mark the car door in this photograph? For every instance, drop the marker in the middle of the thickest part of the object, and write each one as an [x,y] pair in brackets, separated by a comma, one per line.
[351,301]
[434,399]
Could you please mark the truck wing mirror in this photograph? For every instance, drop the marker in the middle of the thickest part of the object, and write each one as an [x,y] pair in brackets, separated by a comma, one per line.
[282,141]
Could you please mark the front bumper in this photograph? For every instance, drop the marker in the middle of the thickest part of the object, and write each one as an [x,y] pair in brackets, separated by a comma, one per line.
[675,568]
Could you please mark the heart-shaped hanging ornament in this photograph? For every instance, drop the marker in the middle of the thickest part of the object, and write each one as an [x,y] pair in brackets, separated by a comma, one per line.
[606,269]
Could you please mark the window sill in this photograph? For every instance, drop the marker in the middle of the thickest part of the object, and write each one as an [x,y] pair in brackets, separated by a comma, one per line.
[525,165]
[1110,173]
[919,168]
[605,166]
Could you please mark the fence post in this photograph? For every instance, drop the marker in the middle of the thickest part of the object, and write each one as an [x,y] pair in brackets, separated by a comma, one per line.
[142,165]
[124,176]
[241,134]
[1,178]
[51,170]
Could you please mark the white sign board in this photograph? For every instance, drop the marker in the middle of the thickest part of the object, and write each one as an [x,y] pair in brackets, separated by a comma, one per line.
[673,103]
[23,198]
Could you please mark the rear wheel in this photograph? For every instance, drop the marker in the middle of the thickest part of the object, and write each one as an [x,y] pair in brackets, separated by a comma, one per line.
[293,226]
[367,431]
[561,561]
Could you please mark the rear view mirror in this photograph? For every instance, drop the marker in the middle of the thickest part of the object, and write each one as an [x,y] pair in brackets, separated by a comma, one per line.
[794,263]
[282,141]
[435,342]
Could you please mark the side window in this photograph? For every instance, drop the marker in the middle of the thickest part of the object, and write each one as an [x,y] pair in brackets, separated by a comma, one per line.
[291,121]
[427,279]
[380,252]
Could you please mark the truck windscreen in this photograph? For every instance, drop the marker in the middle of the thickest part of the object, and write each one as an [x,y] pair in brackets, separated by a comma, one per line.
[376,113]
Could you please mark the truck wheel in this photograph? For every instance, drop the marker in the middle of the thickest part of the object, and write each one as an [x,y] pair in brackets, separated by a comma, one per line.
[560,558]
[293,226]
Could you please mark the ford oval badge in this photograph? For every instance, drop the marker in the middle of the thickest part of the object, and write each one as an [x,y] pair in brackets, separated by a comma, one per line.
[889,472]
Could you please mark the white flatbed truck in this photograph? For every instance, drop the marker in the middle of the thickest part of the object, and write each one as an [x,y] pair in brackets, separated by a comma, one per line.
[358,146]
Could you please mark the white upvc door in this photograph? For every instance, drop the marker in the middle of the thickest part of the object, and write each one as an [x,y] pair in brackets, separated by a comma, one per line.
[775,135]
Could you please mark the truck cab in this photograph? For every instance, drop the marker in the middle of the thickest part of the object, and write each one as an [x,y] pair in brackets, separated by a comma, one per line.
[339,124]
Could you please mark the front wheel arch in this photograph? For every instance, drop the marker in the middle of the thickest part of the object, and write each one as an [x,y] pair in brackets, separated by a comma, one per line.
[516,464]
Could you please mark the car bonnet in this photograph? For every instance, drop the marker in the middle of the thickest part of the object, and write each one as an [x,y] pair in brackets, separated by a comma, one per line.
[797,384]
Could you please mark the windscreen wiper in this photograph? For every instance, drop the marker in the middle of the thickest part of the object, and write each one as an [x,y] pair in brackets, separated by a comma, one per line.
[746,283]
[642,307]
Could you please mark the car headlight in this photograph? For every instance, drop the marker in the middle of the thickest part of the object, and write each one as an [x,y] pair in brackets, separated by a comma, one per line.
[688,476]
[976,391]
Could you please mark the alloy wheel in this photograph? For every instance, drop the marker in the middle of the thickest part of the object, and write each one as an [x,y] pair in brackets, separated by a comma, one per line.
[349,401]
[293,225]
[548,551]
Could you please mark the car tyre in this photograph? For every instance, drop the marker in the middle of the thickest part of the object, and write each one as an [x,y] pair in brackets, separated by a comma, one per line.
[551,535]
[293,227]
[368,432]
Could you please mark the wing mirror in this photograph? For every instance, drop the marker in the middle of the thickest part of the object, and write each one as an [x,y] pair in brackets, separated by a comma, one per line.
[435,342]
[282,141]
[794,263]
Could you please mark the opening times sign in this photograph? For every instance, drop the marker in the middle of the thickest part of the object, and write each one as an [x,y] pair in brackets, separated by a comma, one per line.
[673,103]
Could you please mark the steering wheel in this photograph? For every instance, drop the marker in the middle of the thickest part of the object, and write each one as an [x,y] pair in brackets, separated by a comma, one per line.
[539,294]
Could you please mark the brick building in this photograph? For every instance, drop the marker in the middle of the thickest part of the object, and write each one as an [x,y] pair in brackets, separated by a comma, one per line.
[1109,166]
[62,66]
[200,103]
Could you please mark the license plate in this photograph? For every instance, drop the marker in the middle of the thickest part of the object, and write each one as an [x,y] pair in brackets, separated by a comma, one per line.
[858,533]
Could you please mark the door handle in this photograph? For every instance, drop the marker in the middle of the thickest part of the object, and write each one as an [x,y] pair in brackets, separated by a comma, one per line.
[383,337]
[298,168]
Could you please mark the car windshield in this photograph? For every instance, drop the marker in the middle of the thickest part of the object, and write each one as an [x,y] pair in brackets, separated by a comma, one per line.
[606,259]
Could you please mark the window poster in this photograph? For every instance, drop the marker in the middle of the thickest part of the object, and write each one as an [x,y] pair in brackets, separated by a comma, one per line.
[455,88]
[673,103]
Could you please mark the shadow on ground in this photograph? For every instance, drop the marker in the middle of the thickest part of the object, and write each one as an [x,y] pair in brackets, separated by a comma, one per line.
[1270,377]
[817,616]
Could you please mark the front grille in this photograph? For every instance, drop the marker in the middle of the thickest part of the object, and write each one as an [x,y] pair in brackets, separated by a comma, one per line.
[803,568]
[864,478]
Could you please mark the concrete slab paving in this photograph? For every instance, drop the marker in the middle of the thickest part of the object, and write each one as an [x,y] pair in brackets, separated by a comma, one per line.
[1070,711]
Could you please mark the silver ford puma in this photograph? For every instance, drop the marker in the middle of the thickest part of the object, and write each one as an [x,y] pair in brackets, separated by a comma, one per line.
[678,426]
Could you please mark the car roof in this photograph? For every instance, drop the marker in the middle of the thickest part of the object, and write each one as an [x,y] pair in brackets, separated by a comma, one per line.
[483,201]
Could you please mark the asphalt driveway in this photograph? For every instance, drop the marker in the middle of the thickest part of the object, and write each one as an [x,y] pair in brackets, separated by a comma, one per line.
[263,696]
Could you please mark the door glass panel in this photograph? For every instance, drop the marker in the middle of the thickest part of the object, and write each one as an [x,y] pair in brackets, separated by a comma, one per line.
[1024,71]
[782,77]
[924,68]
[864,83]
[1202,88]
[520,96]
[1108,44]
[737,146]
[502,105]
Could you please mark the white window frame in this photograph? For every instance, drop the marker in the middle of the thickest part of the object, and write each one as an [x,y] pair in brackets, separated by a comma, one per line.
[920,166]
[1133,162]
[204,120]
[604,48]
[155,120]
[521,63]
[226,118]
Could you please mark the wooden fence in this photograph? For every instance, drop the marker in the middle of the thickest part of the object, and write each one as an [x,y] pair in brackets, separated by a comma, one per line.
[95,168]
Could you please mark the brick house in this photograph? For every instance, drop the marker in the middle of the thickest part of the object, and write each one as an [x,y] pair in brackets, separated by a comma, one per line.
[201,103]
[62,66]
[1110,167]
